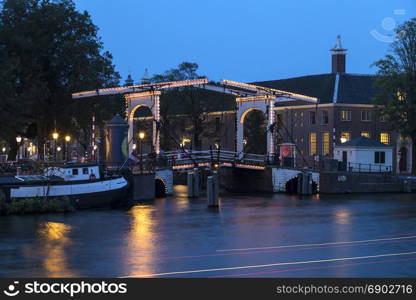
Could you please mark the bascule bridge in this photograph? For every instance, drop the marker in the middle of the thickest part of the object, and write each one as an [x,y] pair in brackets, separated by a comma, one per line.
[249,97]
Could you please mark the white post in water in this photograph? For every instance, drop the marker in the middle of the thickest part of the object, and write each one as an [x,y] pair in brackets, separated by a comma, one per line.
[212,190]
[305,183]
[190,182]
[196,183]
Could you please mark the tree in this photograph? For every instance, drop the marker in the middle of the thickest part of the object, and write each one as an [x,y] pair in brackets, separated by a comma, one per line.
[47,51]
[188,107]
[396,81]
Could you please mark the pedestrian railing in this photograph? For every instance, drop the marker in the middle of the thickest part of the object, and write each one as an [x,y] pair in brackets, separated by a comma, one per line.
[364,168]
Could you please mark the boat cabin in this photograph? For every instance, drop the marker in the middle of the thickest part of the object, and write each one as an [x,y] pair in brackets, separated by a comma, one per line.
[72,172]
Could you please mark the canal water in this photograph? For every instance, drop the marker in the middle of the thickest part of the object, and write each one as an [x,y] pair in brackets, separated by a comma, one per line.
[276,235]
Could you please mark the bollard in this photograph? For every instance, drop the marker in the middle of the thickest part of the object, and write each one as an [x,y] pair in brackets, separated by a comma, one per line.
[190,182]
[196,183]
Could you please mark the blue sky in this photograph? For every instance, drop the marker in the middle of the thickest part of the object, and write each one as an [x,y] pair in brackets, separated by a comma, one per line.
[244,40]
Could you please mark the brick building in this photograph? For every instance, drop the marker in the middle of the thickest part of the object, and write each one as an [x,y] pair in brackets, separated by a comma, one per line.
[345,111]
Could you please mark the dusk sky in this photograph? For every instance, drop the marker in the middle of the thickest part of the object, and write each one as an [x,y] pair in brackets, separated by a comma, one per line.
[245,40]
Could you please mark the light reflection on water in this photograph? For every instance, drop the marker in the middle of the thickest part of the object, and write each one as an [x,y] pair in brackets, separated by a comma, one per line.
[54,238]
[113,243]
[141,240]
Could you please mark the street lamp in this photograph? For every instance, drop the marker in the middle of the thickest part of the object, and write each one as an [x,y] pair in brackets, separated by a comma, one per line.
[67,140]
[141,137]
[18,140]
[55,136]
[343,140]
[244,145]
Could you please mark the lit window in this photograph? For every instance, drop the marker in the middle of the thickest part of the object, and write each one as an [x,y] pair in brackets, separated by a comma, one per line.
[325,142]
[301,114]
[312,140]
[345,137]
[385,138]
[325,117]
[365,115]
[365,134]
[400,95]
[345,115]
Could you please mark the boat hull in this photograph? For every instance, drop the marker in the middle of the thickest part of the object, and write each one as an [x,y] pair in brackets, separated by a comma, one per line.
[96,194]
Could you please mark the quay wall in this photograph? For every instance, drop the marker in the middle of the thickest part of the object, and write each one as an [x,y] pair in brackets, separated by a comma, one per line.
[347,182]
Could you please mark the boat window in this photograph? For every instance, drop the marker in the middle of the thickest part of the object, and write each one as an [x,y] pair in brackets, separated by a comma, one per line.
[84,170]
[74,171]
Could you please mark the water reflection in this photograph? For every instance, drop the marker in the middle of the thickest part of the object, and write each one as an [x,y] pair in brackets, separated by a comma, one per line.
[342,216]
[182,202]
[55,240]
[141,241]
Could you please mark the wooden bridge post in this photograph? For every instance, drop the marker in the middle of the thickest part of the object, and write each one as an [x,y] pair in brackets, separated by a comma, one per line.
[196,183]
[304,183]
[190,182]
[212,190]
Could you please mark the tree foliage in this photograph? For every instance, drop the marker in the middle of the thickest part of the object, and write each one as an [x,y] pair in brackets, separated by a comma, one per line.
[397,83]
[47,51]
[187,109]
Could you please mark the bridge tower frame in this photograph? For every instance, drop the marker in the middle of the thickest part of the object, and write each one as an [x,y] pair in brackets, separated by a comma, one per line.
[134,101]
[245,105]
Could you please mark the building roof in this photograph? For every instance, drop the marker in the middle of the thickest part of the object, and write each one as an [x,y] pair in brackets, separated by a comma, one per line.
[352,88]
[363,142]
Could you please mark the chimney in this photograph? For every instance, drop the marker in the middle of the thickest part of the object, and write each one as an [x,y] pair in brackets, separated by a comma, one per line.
[338,57]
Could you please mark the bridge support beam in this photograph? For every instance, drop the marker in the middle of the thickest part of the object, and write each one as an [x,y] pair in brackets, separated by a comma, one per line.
[305,183]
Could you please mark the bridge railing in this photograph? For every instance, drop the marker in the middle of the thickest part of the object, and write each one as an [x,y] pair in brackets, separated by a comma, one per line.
[214,156]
